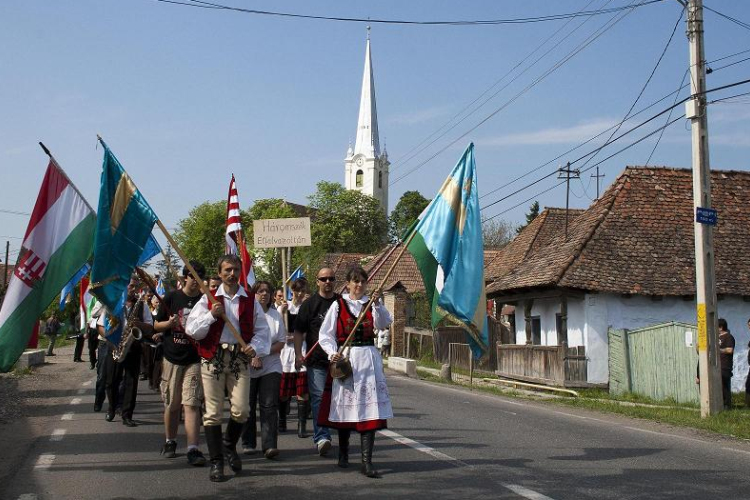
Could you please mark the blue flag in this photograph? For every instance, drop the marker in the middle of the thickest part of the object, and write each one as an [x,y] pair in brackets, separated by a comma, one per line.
[297,274]
[447,247]
[68,288]
[152,248]
[123,230]
[160,288]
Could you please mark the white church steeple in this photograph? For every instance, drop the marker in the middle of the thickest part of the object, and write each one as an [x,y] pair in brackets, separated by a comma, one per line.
[366,167]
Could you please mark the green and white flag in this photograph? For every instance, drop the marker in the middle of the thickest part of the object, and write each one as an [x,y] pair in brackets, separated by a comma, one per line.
[58,242]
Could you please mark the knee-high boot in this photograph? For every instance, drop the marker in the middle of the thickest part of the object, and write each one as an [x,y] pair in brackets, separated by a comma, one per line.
[215,452]
[368,442]
[344,448]
[302,418]
[283,405]
[234,430]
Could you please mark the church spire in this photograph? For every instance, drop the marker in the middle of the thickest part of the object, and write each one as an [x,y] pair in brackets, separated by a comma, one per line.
[368,142]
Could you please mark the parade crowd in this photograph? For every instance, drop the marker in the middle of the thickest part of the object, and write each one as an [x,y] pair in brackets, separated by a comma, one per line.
[181,344]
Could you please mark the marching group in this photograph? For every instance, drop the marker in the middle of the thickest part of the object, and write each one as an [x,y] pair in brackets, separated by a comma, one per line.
[285,353]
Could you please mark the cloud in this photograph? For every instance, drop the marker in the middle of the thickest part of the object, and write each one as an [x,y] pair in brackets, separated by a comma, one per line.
[420,116]
[553,135]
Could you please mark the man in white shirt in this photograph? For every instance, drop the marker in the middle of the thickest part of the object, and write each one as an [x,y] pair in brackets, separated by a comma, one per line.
[225,363]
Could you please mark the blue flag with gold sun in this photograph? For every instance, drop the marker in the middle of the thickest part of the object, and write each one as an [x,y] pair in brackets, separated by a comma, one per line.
[123,229]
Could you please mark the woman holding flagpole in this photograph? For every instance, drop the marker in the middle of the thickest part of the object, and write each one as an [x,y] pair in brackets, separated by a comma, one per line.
[361,401]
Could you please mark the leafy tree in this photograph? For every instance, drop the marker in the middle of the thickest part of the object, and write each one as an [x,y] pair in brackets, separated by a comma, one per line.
[497,234]
[346,221]
[169,269]
[201,234]
[267,261]
[405,213]
[533,213]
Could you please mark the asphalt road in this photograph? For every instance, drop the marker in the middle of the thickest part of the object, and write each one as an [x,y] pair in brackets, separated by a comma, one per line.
[443,443]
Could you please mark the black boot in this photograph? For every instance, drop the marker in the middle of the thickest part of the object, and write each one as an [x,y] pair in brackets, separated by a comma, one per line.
[234,430]
[368,441]
[302,418]
[215,452]
[344,447]
[283,405]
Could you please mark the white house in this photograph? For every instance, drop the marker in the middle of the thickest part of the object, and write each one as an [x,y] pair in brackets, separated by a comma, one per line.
[627,262]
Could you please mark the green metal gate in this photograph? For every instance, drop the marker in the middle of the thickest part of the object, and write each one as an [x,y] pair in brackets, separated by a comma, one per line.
[658,362]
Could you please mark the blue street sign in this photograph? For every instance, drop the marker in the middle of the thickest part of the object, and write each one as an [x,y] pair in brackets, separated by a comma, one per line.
[706,216]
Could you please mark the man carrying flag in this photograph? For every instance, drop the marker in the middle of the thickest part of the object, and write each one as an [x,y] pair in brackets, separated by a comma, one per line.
[446,243]
[57,243]
[235,239]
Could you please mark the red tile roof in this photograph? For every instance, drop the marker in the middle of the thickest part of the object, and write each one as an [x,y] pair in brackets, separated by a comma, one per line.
[638,239]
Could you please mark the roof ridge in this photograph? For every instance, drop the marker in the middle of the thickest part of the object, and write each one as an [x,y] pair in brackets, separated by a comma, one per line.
[616,189]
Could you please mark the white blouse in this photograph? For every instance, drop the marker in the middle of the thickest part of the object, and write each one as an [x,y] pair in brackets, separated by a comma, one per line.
[327,336]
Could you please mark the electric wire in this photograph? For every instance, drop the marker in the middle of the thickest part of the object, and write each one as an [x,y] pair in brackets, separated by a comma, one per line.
[408,156]
[13,212]
[669,116]
[729,18]
[479,22]
[609,25]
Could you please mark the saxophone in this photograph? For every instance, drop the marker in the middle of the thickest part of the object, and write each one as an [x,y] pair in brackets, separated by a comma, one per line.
[130,333]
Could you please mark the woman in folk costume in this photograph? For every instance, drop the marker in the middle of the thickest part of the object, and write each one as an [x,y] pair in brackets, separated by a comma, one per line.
[265,377]
[293,381]
[361,401]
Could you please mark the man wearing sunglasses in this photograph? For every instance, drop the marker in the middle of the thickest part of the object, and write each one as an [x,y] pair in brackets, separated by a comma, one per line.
[307,325]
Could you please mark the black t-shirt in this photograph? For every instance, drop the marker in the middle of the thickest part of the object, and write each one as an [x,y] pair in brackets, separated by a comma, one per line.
[309,319]
[726,359]
[178,347]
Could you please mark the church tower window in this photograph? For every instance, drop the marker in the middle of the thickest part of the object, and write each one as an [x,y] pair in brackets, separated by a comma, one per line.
[360,176]
[380,180]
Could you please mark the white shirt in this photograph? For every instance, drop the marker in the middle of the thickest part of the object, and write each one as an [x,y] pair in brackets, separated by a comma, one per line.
[200,320]
[147,318]
[272,362]
[327,336]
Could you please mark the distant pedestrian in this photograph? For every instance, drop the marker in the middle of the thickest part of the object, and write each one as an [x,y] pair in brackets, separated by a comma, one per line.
[51,330]
[726,356]
[384,342]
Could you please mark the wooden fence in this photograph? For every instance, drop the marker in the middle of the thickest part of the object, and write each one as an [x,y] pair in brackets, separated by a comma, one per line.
[658,362]
[553,365]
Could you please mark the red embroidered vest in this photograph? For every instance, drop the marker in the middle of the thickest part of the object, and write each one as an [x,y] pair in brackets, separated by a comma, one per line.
[208,346]
[346,322]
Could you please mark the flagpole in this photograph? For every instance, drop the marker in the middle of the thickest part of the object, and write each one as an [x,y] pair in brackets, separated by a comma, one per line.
[52,158]
[203,286]
[380,288]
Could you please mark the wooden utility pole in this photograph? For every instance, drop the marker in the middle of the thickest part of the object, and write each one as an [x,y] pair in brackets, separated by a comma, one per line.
[597,177]
[5,276]
[568,173]
[705,217]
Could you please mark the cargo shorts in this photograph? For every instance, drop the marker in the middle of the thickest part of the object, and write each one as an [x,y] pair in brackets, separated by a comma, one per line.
[181,385]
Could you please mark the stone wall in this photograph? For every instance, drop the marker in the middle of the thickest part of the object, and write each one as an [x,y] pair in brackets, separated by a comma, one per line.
[395,301]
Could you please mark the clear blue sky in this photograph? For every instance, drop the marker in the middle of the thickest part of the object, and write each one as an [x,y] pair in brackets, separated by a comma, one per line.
[186,96]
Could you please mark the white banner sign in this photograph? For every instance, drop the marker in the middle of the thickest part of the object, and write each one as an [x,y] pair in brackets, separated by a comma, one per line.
[281,233]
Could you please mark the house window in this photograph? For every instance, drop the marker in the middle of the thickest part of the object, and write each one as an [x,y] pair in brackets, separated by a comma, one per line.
[360,176]
[536,330]
[562,335]
[380,180]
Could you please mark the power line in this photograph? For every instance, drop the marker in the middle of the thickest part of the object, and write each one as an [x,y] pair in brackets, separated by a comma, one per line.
[609,25]
[729,18]
[13,212]
[416,149]
[658,140]
[477,22]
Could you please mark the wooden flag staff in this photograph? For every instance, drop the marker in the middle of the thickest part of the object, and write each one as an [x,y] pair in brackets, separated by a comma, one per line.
[342,368]
[203,286]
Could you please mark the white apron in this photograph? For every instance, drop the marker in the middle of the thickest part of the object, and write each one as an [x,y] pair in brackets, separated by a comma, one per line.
[364,395]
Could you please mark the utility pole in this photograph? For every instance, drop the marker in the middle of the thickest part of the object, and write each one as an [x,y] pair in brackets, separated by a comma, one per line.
[567,173]
[705,284]
[597,177]
[5,275]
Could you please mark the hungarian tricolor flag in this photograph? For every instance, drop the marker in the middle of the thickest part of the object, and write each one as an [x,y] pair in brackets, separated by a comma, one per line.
[235,240]
[57,243]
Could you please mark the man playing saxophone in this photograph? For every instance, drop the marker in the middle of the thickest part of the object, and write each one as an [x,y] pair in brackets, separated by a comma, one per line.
[123,361]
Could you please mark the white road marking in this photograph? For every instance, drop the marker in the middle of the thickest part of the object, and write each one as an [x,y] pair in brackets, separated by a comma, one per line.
[518,490]
[75,401]
[81,391]
[57,435]
[665,434]
[44,461]
[67,416]
[419,446]
[28,496]
[526,493]
[87,383]
[735,449]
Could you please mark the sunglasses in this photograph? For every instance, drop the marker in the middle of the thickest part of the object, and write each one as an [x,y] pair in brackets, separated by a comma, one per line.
[327,279]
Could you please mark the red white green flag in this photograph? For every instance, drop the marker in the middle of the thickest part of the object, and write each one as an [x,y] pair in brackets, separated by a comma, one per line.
[57,243]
